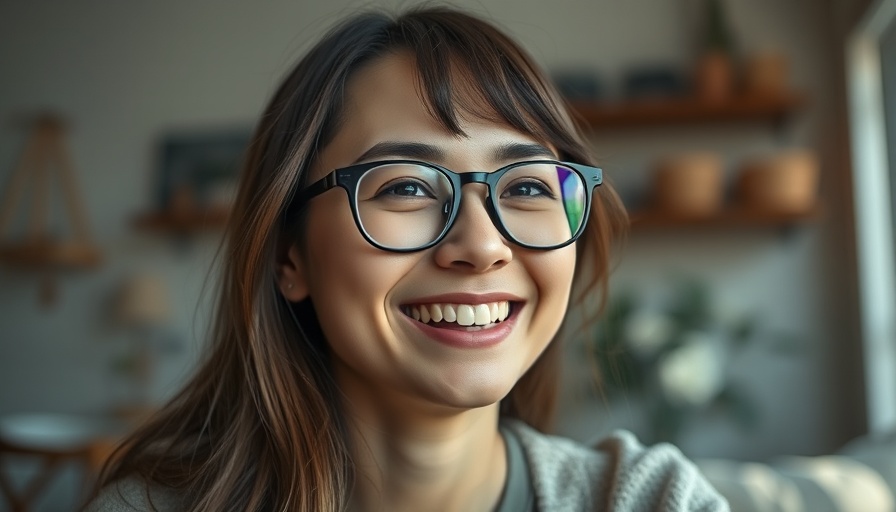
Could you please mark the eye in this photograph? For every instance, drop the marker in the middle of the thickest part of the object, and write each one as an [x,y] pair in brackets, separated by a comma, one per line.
[405,188]
[527,188]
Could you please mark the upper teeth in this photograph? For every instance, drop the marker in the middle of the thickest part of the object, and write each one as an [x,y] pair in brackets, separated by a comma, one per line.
[463,314]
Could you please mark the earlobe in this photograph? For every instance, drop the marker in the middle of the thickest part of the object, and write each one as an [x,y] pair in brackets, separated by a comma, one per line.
[291,276]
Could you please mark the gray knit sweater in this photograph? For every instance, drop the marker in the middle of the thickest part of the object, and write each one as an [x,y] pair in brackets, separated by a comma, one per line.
[619,475]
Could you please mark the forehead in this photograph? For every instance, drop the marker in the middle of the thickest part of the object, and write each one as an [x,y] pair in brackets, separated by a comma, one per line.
[384,102]
[386,92]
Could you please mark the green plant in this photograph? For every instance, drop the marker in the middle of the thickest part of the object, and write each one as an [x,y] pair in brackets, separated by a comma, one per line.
[675,358]
[717,31]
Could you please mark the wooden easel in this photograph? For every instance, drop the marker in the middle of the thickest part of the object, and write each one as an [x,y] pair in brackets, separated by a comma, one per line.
[37,248]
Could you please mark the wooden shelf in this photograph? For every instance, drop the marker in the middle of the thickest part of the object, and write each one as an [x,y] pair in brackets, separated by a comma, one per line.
[688,110]
[733,217]
[182,222]
[49,254]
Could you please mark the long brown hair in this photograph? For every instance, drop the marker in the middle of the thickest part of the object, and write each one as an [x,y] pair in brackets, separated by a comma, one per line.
[259,426]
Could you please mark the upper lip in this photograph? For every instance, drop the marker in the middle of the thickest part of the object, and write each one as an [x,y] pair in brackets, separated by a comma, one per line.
[465,298]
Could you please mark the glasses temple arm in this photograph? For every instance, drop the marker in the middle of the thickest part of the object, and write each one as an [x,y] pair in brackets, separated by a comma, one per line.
[318,187]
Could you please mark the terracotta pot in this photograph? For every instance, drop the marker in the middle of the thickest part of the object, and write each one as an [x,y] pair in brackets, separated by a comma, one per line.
[714,76]
[785,182]
[688,184]
[766,74]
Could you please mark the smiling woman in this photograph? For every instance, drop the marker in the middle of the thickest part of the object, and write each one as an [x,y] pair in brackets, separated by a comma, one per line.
[413,213]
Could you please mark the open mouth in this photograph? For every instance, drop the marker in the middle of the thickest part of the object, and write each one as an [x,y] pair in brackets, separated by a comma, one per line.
[461,316]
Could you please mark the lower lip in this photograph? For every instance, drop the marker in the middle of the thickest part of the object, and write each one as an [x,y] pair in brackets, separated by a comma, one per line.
[482,338]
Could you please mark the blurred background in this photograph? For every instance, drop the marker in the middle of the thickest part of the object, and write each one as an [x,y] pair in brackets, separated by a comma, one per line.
[751,305]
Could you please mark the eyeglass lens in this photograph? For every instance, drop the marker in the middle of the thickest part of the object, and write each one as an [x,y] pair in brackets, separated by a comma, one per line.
[405,206]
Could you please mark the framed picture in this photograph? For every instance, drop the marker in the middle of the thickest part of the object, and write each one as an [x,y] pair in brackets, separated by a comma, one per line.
[199,170]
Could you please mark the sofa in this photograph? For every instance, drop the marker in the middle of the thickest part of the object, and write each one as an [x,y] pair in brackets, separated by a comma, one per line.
[861,477]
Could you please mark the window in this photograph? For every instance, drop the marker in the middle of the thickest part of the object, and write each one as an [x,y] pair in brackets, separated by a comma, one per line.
[871,64]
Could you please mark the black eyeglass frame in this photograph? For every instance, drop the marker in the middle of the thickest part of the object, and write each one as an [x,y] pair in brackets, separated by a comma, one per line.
[348,178]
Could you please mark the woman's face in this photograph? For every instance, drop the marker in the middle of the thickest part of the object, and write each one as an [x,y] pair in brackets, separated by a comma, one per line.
[368,300]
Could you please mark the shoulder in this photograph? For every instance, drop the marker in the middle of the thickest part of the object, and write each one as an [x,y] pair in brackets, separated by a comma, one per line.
[133,494]
[618,474]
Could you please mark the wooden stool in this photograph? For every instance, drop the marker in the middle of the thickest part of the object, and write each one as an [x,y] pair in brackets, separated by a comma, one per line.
[86,446]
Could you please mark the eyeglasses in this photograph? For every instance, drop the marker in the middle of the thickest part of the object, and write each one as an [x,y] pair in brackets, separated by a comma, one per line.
[406,205]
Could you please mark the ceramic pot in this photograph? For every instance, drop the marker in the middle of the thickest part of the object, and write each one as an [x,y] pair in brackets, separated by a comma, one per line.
[785,182]
[766,74]
[714,76]
[688,184]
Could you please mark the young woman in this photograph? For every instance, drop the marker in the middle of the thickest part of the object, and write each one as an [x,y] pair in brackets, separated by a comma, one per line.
[414,211]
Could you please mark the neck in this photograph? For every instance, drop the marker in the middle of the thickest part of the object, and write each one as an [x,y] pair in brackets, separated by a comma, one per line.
[410,458]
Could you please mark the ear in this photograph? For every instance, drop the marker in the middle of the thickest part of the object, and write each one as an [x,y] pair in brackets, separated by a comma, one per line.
[291,275]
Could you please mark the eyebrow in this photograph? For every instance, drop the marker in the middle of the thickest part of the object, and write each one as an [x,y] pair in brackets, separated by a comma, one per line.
[431,153]
[411,150]
[521,151]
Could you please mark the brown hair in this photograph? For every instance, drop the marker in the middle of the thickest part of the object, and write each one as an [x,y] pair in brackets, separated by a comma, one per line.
[259,426]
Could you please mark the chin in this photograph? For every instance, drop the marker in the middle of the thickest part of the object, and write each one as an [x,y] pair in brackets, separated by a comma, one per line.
[472,394]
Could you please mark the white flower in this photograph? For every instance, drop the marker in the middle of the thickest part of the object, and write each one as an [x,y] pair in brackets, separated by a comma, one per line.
[692,374]
[647,331]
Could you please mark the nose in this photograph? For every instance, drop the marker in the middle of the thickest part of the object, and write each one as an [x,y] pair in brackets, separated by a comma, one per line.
[473,243]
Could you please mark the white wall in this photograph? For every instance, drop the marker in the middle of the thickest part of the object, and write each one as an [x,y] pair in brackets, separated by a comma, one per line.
[126,73]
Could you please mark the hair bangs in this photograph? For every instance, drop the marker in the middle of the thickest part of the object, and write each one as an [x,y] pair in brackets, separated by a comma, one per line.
[468,68]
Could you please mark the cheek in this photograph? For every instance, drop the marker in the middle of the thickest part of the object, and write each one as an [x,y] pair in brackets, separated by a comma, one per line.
[349,280]
[558,269]
[334,248]
[552,272]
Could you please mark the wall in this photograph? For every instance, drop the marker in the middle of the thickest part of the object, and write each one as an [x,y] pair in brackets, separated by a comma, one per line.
[126,73]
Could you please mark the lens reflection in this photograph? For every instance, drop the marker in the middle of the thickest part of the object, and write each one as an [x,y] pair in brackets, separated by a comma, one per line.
[541,205]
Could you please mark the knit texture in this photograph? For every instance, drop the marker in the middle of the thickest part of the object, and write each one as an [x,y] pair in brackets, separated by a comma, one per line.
[618,475]
[132,495]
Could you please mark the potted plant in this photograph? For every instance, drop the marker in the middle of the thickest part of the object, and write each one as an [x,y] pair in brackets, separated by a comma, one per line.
[714,77]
